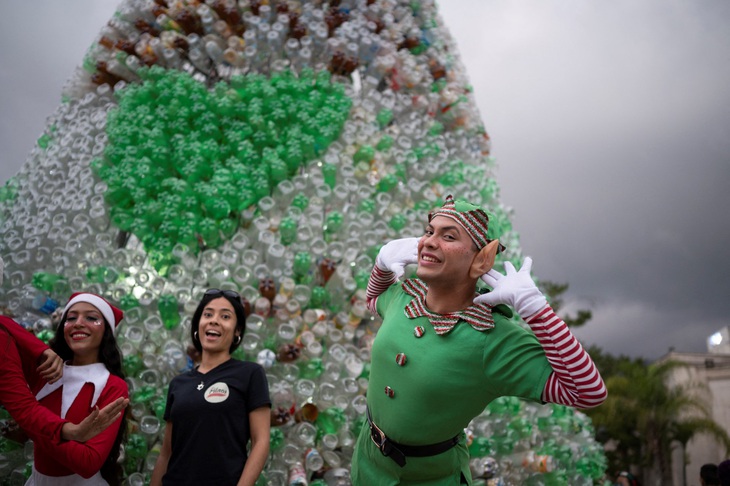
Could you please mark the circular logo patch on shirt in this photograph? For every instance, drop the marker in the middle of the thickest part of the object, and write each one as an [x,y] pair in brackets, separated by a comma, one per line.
[216,393]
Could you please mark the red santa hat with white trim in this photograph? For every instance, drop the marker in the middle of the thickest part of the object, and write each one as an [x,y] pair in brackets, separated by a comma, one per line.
[112,314]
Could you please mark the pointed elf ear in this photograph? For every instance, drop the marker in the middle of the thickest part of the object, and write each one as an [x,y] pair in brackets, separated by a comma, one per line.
[484,260]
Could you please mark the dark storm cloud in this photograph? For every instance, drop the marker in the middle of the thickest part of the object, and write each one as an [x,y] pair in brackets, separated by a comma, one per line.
[610,126]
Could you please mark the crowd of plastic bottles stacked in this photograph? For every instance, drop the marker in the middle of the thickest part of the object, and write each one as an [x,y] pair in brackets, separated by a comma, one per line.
[268,147]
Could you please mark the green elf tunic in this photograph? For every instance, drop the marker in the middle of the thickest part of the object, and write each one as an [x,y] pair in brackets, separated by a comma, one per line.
[431,374]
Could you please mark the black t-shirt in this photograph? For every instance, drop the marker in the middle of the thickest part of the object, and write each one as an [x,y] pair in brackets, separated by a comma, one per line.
[209,414]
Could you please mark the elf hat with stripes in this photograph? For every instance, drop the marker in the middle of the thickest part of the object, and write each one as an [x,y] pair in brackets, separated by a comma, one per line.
[472,218]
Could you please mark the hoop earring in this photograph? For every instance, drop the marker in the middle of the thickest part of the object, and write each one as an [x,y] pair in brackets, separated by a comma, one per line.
[195,334]
[238,340]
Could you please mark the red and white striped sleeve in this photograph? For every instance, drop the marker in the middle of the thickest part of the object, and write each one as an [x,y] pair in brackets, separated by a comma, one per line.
[379,282]
[575,381]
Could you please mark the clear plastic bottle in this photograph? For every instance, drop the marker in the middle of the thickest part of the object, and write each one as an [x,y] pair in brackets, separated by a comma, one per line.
[313,460]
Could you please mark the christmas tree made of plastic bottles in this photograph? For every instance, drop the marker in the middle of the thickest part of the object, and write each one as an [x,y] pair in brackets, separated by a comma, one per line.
[269,148]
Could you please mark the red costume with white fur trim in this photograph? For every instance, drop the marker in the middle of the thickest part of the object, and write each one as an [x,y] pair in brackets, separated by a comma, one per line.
[73,397]
[83,388]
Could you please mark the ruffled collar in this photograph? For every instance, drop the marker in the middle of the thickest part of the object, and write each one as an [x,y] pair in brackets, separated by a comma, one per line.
[478,316]
[73,379]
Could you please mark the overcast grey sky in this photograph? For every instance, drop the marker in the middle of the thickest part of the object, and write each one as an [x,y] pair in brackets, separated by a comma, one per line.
[610,122]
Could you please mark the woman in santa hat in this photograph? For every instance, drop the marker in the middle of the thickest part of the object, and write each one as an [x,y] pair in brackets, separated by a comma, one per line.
[92,378]
[21,353]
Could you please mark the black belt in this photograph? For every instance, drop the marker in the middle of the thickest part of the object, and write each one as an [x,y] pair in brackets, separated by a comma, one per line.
[398,452]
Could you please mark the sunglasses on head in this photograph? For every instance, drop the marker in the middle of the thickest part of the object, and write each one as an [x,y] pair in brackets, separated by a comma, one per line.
[232,294]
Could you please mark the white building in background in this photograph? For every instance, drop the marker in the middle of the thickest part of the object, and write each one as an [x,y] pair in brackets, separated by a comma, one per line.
[709,375]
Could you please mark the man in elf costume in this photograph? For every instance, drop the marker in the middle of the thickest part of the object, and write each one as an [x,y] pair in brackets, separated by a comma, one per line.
[443,352]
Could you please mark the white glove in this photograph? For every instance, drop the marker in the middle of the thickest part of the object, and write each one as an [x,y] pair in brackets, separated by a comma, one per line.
[396,254]
[514,288]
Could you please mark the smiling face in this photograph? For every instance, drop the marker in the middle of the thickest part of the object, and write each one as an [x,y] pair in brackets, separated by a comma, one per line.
[217,328]
[445,252]
[83,331]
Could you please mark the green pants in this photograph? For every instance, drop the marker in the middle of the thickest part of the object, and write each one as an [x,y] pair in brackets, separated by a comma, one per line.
[371,467]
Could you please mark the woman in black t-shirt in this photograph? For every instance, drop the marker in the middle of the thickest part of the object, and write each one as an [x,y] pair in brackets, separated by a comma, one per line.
[214,410]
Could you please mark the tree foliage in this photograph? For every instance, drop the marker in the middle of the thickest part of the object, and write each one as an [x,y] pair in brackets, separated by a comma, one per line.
[554,292]
[643,418]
